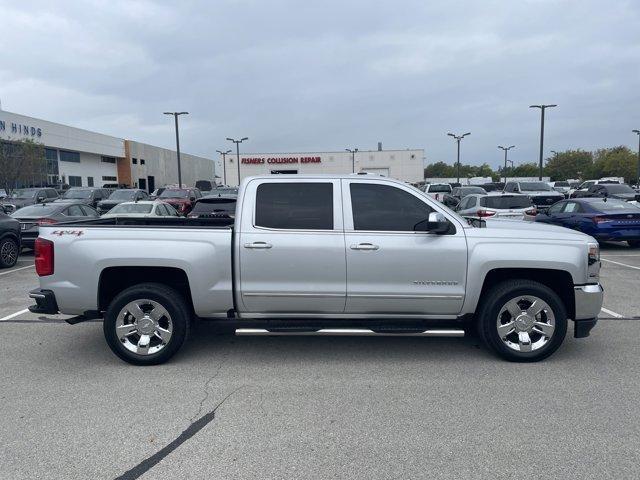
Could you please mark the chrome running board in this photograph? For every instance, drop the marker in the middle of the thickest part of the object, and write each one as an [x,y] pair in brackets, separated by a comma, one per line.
[352,332]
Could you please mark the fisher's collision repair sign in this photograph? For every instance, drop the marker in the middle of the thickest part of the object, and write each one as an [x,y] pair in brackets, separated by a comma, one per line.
[280,160]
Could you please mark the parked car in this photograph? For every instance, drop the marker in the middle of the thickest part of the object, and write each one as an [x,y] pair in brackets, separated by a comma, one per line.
[501,205]
[437,190]
[493,186]
[584,186]
[31,218]
[156,193]
[88,195]
[461,192]
[540,193]
[602,218]
[9,240]
[309,253]
[143,208]
[214,206]
[182,199]
[22,197]
[204,185]
[120,196]
[561,186]
[620,191]
[223,191]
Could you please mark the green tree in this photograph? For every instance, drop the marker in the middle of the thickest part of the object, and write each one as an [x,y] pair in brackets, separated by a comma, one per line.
[615,162]
[439,170]
[23,162]
[530,169]
[569,164]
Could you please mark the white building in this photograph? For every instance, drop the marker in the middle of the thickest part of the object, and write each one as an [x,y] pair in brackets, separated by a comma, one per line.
[79,157]
[404,165]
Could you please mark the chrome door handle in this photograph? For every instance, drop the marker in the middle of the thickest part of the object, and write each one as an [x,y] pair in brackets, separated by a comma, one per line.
[258,245]
[364,246]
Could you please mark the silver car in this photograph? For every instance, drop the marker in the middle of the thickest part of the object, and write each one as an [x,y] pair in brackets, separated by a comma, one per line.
[497,205]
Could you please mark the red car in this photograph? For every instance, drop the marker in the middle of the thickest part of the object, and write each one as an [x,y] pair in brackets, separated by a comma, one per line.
[182,199]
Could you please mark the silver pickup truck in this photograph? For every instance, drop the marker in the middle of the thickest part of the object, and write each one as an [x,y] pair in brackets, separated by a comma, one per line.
[323,254]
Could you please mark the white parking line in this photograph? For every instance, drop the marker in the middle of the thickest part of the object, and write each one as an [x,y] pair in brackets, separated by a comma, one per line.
[13,315]
[16,269]
[620,263]
[610,312]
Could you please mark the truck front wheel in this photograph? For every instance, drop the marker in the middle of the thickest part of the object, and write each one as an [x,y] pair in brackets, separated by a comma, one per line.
[146,324]
[522,321]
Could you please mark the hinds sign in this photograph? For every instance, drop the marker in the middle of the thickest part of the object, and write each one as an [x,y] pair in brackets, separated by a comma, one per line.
[280,160]
[19,129]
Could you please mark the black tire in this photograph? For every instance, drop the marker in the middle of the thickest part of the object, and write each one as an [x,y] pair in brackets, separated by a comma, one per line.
[497,297]
[171,300]
[9,252]
[634,243]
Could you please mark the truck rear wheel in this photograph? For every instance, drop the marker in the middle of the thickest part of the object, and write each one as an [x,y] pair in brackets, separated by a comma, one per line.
[147,324]
[522,321]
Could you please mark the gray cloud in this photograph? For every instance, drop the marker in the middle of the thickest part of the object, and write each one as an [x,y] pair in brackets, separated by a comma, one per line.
[327,75]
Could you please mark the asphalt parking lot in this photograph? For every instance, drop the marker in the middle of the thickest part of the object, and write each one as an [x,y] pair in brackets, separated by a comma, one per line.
[303,407]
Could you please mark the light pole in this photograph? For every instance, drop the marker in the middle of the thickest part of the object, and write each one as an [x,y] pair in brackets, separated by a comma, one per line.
[637,132]
[238,142]
[224,164]
[175,116]
[506,149]
[542,109]
[353,158]
[458,138]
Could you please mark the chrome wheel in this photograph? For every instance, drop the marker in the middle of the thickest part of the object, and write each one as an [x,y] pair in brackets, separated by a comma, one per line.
[9,252]
[144,327]
[526,323]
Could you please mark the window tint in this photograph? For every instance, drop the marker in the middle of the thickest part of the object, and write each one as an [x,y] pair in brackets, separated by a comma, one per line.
[74,211]
[506,201]
[295,206]
[52,193]
[556,208]
[88,211]
[386,208]
[465,203]
[571,207]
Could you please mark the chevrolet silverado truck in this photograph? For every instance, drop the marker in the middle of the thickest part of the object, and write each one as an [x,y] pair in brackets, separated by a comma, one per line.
[322,255]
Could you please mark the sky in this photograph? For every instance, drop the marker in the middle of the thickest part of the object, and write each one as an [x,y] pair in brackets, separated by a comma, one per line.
[327,75]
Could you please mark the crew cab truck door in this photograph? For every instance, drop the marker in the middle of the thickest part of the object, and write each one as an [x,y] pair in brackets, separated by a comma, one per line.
[291,247]
[392,269]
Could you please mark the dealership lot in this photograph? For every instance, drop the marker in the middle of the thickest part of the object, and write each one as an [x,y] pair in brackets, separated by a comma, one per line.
[302,407]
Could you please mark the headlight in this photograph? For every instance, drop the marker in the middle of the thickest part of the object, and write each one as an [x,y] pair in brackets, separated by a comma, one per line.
[593,268]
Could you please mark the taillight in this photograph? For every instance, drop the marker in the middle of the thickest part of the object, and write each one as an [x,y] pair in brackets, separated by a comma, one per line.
[598,219]
[44,257]
[485,213]
[46,221]
[531,211]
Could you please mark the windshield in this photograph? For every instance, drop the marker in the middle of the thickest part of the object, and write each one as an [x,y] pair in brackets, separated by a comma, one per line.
[587,184]
[613,205]
[73,193]
[561,184]
[439,188]
[470,190]
[24,193]
[219,206]
[619,189]
[36,210]
[534,187]
[132,208]
[506,202]
[122,195]
[174,193]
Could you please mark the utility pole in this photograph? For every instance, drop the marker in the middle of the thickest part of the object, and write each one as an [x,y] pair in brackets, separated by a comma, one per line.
[175,116]
[224,164]
[637,132]
[458,138]
[542,109]
[506,149]
[353,158]
[238,142]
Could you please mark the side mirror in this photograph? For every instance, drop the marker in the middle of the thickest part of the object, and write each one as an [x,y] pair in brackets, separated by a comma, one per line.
[436,223]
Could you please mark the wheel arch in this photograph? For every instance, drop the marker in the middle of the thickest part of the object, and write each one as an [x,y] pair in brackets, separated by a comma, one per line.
[114,280]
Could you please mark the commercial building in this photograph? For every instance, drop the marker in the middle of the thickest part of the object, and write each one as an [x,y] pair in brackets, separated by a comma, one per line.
[407,165]
[78,157]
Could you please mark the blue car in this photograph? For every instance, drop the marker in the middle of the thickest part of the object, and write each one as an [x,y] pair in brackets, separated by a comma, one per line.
[602,218]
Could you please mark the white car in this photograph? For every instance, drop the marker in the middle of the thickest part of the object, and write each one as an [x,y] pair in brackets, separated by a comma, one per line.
[437,190]
[511,206]
[143,208]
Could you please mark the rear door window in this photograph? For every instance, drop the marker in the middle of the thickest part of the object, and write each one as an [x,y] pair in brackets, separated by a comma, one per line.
[295,206]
